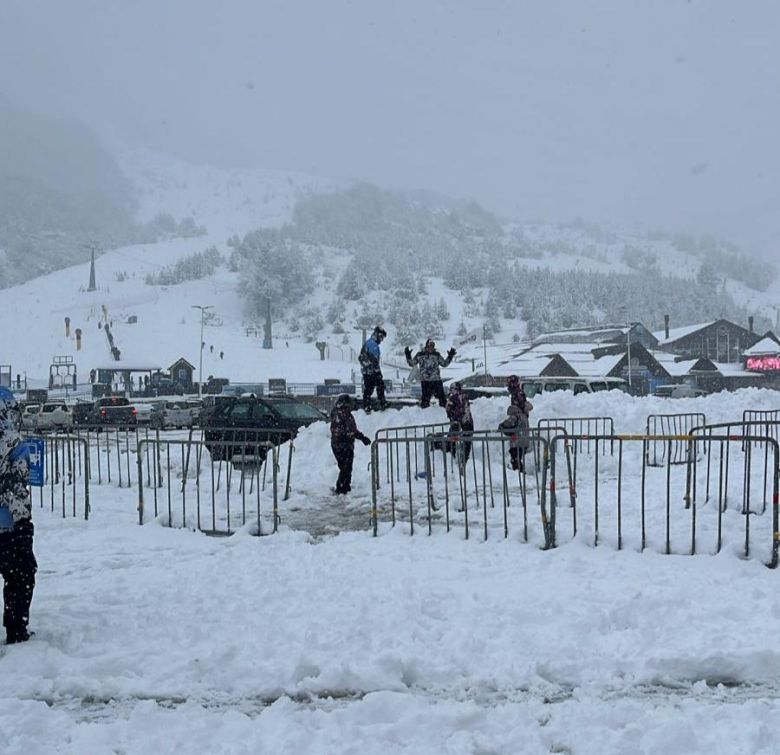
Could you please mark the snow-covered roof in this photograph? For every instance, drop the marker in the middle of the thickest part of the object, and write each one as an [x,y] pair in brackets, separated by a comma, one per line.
[733,370]
[676,333]
[597,333]
[675,367]
[767,345]
[126,365]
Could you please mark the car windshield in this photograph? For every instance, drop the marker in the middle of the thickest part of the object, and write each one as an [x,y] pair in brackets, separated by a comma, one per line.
[296,410]
[532,389]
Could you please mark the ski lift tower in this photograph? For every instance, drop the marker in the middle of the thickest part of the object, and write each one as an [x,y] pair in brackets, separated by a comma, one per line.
[62,372]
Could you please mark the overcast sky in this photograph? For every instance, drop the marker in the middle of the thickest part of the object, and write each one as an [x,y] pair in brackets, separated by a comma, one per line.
[665,112]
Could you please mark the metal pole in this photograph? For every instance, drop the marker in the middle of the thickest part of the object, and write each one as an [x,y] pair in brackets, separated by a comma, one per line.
[200,360]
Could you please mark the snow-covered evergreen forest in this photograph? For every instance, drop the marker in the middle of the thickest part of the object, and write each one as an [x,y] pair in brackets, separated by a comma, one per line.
[374,252]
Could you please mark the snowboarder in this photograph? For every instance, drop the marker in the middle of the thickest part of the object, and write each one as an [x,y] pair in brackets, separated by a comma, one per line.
[221,354]
[461,423]
[371,368]
[17,561]
[516,426]
[429,362]
[343,432]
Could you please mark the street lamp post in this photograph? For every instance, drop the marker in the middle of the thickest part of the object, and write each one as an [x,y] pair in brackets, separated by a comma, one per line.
[202,309]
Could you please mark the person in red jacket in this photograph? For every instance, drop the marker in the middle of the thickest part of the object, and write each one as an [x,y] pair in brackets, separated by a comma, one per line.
[343,432]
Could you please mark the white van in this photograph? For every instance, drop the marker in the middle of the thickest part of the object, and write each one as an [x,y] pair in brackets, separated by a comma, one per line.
[535,386]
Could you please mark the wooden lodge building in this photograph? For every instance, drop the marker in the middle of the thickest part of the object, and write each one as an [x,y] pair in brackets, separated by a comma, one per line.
[713,356]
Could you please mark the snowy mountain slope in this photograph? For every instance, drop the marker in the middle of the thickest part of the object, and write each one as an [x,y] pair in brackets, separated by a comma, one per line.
[226,201]
[234,202]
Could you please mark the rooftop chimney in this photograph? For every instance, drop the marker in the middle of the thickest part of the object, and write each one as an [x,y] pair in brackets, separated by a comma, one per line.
[666,327]
[750,323]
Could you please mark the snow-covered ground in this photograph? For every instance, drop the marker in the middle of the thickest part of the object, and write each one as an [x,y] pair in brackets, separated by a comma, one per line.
[152,639]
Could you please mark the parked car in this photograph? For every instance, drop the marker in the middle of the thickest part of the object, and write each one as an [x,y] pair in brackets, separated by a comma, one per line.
[171,414]
[253,419]
[82,412]
[195,406]
[114,411]
[678,391]
[29,416]
[54,415]
[208,404]
[144,411]
[535,386]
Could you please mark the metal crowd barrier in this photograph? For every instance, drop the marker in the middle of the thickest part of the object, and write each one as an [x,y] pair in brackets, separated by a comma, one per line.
[66,461]
[677,425]
[585,429]
[769,419]
[751,434]
[630,491]
[392,459]
[224,487]
[110,448]
[474,475]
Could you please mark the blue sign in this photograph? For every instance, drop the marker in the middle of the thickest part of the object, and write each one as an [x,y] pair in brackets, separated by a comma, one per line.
[336,390]
[36,449]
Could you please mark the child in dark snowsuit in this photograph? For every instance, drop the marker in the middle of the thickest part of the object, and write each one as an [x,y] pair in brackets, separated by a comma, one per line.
[343,432]
[516,426]
[461,423]
[17,561]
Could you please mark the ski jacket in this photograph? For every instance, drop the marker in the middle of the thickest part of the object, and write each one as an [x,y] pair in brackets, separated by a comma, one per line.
[369,357]
[517,396]
[458,409]
[516,426]
[429,363]
[15,502]
[343,428]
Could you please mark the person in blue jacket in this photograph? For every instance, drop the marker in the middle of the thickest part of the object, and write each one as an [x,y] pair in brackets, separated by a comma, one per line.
[371,368]
[17,561]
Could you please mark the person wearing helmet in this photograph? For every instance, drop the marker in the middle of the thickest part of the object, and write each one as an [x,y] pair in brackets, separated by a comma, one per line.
[461,423]
[370,366]
[343,432]
[17,561]
[429,361]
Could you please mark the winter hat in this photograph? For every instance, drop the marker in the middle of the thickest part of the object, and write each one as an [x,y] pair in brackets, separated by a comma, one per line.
[513,382]
[344,399]
[430,342]
[456,388]
[380,332]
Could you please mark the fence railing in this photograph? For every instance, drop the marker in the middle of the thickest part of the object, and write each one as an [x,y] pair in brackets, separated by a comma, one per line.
[66,477]
[212,492]
[628,488]
[393,465]
[110,448]
[585,429]
[677,425]
[475,476]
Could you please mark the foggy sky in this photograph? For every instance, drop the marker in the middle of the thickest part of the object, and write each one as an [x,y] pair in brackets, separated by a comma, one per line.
[663,112]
